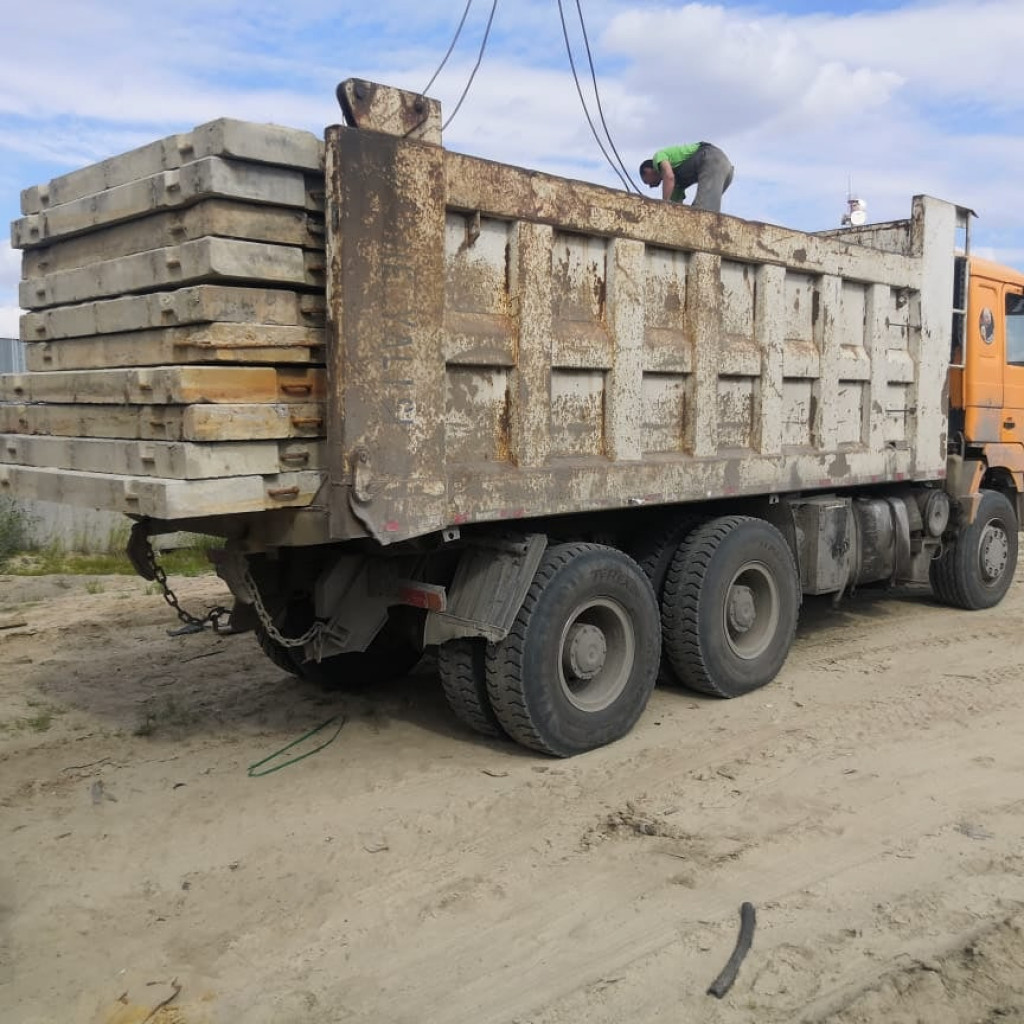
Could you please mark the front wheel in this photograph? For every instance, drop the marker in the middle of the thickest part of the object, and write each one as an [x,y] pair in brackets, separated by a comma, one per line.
[578,667]
[730,606]
[976,570]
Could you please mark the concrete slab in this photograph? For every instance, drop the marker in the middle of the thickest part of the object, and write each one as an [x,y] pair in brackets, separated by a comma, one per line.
[162,499]
[199,304]
[166,422]
[199,343]
[167,385]
[182,187]
[242,140]
[221,218]
[180,460]
[205,260]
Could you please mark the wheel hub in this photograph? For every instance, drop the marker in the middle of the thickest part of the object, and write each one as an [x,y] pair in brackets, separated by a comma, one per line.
[596,654]
[585,651]
[994,552]
[742,610]
[750,611]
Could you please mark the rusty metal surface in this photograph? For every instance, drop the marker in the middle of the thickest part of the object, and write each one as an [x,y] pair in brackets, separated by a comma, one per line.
[510,344]
[377,108]
[386,366]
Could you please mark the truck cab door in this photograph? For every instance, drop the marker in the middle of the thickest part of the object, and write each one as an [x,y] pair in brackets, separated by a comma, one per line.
[1012,427]
[983,379]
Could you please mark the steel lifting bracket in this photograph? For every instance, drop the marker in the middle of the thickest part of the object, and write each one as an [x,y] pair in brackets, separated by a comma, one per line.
[381,108]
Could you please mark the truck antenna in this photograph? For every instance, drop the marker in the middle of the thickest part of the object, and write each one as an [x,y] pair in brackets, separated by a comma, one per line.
[856,212]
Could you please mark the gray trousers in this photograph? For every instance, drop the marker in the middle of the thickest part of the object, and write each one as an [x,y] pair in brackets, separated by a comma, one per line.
[714,176]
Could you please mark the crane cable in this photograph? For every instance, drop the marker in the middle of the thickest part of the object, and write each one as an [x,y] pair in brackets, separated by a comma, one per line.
[627,184]
[597,96]
[476,67]
[444,61]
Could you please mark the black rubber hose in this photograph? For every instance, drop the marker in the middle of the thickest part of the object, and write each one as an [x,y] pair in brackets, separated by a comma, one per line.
[724,982]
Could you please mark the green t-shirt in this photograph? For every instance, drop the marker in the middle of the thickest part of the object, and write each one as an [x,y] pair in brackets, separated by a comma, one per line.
[676,155]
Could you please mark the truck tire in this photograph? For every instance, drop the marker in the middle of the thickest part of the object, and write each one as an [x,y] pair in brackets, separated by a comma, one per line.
[578,667]
[389,656]
[730,606]
[977,569]
[654,554]
[462,666]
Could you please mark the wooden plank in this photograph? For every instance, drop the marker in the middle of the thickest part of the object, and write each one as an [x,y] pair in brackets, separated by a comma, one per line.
[221,218]
[166,423]
[241,140]
[167,385]
[184,186]
[205,303]
[205,260]
[162,499]
[207,343]
[182,460]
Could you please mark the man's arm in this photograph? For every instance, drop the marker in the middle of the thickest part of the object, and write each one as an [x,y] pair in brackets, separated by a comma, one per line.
[668,179]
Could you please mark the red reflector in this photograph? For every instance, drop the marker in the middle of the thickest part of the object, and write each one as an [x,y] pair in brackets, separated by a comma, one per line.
[423,595]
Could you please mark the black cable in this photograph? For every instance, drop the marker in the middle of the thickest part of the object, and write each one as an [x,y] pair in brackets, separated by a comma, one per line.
[597,96]
[583,102]
[480,57]
[458,32]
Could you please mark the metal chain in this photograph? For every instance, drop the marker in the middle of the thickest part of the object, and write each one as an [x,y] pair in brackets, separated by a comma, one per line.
[272,631]
[194,624]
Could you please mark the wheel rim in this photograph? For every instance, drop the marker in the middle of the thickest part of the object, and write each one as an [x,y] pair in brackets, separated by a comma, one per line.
[750,612]
[993,552]
[596,654]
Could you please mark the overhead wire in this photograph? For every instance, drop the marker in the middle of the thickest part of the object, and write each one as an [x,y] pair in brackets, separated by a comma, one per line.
[627,184]
[444,61]
[476,67]
[597,96]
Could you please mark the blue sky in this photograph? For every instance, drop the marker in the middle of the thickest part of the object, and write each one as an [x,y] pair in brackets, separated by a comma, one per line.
[805,96]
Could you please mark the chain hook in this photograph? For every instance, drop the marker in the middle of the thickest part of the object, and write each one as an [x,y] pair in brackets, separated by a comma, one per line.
[143,558]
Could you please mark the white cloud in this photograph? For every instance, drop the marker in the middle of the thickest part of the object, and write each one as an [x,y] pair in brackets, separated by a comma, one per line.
[900,100]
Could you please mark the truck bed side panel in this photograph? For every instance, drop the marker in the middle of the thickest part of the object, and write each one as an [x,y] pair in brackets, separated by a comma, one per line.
[511,344]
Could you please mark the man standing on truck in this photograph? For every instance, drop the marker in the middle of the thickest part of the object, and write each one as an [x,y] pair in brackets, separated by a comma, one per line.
[676,168]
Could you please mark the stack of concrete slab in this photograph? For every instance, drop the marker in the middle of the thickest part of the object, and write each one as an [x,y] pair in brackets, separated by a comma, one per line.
[174,339]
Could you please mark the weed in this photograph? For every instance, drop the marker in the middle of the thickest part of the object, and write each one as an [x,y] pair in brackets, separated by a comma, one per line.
[40,721]
[53,560]
[14,530]
[94,587]
[165,714]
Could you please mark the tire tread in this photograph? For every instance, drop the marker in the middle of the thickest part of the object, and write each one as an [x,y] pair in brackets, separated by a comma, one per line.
[462,666]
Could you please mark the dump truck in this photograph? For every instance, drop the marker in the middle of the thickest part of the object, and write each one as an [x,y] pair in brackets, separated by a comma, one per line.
[577,440]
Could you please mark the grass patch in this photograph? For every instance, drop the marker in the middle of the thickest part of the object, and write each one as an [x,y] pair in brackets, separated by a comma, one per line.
[55,561]
[39,721]
[14,530]
[164,715]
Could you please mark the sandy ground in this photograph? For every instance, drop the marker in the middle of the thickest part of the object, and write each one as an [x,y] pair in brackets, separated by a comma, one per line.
[869,803]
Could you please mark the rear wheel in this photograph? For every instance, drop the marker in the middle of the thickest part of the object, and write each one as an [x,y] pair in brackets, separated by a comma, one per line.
[654,554]
[462,666]
[730,605]
[391,654]
[579,664]
[977,569]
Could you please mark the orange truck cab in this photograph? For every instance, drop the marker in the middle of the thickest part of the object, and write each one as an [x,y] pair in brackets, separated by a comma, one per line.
[986,383]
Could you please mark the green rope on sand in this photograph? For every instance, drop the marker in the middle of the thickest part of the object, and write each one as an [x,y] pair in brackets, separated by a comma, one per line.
[254,774]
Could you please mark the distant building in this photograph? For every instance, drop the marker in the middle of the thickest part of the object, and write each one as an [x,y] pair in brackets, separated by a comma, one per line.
[12,355]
